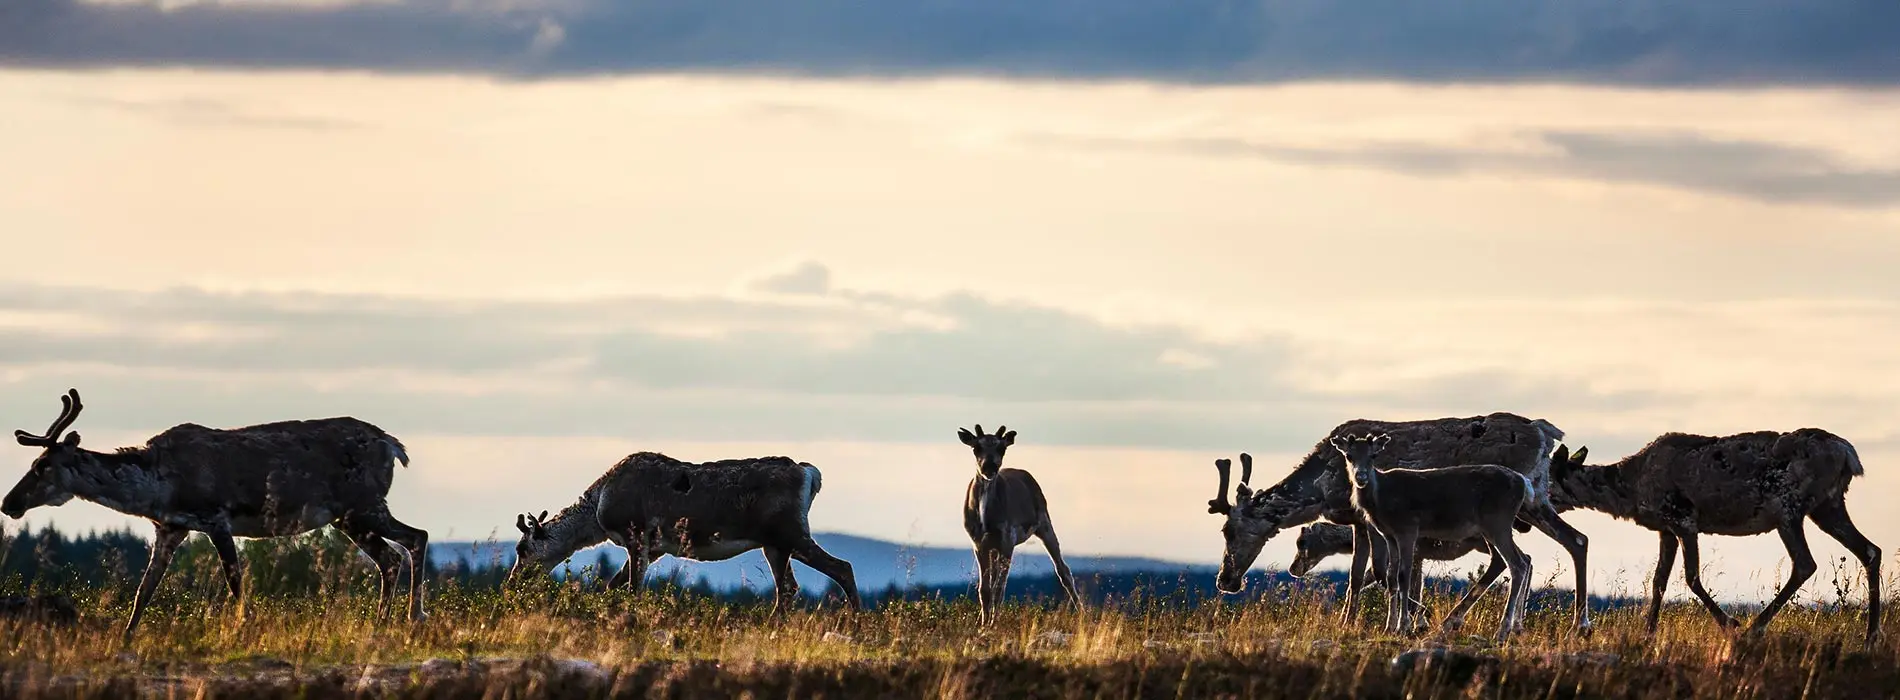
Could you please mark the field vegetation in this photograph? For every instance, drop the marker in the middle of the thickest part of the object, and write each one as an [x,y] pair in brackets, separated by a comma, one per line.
[307,627]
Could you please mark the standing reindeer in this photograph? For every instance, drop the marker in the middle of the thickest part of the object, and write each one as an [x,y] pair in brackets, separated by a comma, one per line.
[1318,541]
[1683,486]
[269,480]
[1001,509]
[651,504]
[1319,486]
[1447,502]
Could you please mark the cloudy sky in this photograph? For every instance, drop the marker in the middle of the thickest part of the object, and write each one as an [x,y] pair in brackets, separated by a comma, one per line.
[531,236]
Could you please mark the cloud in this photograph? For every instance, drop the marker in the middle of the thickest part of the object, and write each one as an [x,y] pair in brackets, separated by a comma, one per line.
[808,277]
[841,364]
[1651,42]
[1768,172]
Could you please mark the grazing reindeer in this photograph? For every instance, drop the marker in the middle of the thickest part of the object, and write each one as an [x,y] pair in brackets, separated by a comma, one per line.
[1452,502]
[651,504]
[1320,487]
[270,480]
[1318,541]
[1683,486]
[1002,509]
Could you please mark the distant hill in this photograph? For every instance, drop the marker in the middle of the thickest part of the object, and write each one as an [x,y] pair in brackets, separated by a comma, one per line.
[878,564]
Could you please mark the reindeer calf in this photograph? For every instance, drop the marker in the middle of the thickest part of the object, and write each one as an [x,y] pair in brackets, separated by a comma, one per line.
[1447,503]
[1002,509]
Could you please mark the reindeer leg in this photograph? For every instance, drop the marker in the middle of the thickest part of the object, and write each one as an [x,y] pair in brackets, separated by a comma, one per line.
[1832,519]
[1545,519]
[985,572]
[1456,620]
[1520,564]
[416,541]
[222,541]
[1362,551]
[1665,560]
[838,570]
[388,560]
[1796,541]
[1692,572]
[165,543]
[1406,555]
[1048,536]
[1393,606]
[785,587]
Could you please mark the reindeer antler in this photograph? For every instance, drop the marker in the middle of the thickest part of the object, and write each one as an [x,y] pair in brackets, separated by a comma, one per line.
[1246,469]
[68,412]
[1220,505]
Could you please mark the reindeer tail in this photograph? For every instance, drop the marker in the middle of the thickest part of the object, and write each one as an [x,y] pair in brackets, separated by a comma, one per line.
[397,452]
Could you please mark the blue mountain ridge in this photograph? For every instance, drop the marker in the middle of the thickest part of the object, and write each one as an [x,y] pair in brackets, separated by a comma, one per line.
[878,564]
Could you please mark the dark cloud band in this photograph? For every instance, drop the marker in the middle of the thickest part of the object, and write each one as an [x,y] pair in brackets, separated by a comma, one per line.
[1640,42]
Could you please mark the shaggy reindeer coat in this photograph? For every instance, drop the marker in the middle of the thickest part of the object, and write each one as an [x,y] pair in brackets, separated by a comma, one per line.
[1683,486]
[268,480]
[651,504]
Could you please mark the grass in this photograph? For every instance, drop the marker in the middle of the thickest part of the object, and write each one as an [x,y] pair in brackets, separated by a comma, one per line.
[560,641]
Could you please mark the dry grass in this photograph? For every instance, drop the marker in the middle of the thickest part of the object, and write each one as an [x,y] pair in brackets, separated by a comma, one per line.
[481,644]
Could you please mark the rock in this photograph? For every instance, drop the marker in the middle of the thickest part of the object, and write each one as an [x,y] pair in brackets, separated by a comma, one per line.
[439,667]
[1324,644]
[1588,658]
[581,669]
[1453,665]
[1155,644]
[1055,638]
[1204,638]
[836,637]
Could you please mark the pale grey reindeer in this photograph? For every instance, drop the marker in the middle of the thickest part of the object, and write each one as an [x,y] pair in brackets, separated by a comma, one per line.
[651,505]
[1001,509]
[1319,487]
[1447,503]
[269,480]
[1684,486]
[1318,541]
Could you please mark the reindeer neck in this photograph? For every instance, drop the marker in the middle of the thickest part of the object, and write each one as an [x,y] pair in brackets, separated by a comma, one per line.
[119,480]
[576,527]
[1602,488]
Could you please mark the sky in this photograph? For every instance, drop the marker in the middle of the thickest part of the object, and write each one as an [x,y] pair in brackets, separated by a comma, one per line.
[531,236]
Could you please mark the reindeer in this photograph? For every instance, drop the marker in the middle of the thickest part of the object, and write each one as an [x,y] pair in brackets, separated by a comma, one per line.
[269,480]
[1318,541]
[651,505]
[1449,502]
[1001,509]
[1319,486]
[1683,486]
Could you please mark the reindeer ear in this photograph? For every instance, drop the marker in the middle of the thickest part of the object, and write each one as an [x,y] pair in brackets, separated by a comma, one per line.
[1009,438]
[965,436]
[1381,439]
[72,440]
[1339,443]
[1561,456]
[1581,453]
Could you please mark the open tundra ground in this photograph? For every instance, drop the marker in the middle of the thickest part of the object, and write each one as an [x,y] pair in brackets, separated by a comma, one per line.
[558,640]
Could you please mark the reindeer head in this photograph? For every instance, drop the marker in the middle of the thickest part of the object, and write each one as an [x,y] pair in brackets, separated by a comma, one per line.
[1249,525]
[47,482]
[1317,542]
[1359,451]
[537,552]
[988,448]
[1563,462]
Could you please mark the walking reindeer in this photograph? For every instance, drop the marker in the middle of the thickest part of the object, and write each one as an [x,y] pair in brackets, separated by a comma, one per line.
[269,480]
[1319,487]
[652,505]
[1003,508]
[1683,486]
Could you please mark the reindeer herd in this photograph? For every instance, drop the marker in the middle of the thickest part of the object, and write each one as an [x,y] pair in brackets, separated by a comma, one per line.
[1395,493]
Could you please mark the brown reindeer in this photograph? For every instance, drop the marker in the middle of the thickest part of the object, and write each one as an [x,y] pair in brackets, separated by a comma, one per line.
[1446,502]
[1002,509]
[1684,486]
[1319,487]
[652,505]
[1318,541]
[269,480]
